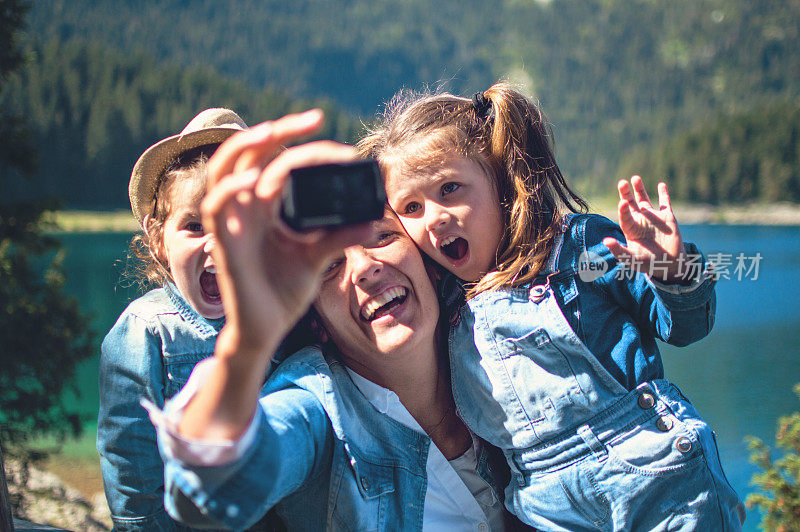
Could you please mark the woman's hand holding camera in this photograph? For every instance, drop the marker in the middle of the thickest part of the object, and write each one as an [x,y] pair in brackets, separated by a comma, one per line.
[268,274]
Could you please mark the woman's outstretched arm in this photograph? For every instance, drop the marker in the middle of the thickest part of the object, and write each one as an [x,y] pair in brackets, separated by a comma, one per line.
[268,275]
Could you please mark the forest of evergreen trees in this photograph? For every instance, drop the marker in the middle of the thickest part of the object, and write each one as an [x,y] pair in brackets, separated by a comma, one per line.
[621,80]
[94,110]
[738,158]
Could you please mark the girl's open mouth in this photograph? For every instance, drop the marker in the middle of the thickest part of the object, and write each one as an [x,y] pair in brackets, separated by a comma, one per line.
[454,248]
[208,287]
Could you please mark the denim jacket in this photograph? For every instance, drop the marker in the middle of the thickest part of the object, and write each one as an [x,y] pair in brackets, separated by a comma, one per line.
[149,353]
[323,454]
[617,315]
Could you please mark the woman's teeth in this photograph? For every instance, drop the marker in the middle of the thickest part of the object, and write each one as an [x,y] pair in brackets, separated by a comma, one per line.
[211,269]
[383,302]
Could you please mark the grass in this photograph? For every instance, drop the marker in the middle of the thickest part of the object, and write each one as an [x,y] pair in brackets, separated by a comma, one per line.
[77,462]
[96,222]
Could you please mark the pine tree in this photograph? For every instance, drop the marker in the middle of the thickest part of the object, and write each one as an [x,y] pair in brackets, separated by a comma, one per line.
[43,333]
[779,480]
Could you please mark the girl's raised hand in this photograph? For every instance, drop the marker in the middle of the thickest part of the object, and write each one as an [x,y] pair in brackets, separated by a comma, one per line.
[654,244]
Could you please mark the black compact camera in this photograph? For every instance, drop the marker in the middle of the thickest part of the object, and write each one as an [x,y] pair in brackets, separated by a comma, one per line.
[333,195]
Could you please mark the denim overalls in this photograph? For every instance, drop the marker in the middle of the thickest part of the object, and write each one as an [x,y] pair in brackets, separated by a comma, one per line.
[586,453]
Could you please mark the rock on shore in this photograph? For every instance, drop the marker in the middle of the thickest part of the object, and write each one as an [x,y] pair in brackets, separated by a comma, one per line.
[42,497]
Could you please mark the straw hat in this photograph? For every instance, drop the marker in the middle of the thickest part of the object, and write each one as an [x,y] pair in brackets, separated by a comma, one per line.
[211,126]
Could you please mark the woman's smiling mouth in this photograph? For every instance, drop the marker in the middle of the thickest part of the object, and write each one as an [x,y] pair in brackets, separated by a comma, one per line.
[384,303]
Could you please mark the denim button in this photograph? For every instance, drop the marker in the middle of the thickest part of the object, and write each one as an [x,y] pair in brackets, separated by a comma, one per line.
[683,444]
[483,527]
[664,423]
[365,483]
[646,401]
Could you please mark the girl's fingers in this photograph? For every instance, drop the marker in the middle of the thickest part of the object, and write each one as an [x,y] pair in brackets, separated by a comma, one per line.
[624,211]
[620,252]
[639,191]
[260,143]
[663,196]
[626,194]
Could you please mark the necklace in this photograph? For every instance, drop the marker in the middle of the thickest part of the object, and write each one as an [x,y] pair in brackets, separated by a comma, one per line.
[431,430]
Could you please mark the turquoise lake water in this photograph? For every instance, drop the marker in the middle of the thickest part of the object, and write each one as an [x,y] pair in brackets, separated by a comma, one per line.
[739,377]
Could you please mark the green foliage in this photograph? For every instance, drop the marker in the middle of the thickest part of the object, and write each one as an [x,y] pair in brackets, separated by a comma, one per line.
[749,156]
[612,75]
[93,111]
[11,15]
[42,332]
[357,52]
[779,480]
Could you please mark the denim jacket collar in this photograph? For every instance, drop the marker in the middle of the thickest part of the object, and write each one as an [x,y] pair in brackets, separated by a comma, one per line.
[204,327]
[373,443]
[355,415]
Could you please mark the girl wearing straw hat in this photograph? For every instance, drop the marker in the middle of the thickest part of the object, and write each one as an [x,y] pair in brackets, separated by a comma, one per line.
[160,336]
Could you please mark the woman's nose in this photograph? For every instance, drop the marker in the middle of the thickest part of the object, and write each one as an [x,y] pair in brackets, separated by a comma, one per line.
[363,266]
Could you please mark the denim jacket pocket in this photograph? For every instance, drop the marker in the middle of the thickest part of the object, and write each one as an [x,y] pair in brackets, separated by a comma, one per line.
[535,339]
[177,369]
[361,495]
[535,355]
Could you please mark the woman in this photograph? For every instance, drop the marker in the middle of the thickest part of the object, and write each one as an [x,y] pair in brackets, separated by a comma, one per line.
[357,435]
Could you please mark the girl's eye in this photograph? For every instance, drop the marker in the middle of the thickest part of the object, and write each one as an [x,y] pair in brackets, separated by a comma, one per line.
[412,207]
[447,188]
[195,227]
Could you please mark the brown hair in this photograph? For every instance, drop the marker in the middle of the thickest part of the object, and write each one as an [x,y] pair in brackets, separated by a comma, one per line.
[512,140]
[147,264]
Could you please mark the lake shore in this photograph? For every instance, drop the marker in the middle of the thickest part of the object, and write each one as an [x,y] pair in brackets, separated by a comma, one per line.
[694,214]
[787,214]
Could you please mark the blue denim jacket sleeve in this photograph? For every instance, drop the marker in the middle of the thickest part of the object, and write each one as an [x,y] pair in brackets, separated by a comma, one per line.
[678,315]
[131,368]
[293,446]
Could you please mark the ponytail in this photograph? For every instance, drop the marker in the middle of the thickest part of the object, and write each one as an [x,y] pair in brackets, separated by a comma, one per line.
[531,188]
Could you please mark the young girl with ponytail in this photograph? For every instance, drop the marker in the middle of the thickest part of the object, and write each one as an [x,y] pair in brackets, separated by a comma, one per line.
[553,346]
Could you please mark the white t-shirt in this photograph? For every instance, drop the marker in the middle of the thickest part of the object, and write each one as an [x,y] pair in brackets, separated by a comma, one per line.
[457,497]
